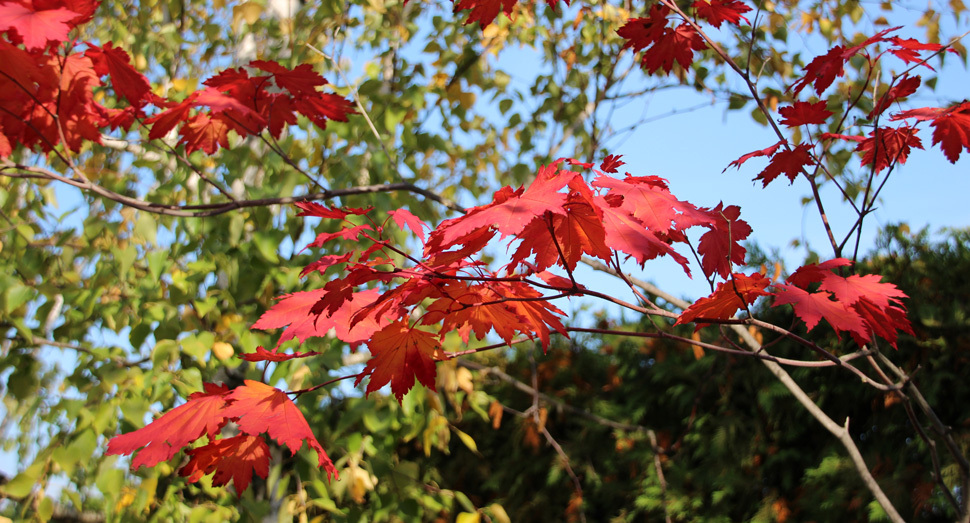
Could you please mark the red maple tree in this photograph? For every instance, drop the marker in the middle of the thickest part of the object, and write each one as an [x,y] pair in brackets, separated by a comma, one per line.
[401,304]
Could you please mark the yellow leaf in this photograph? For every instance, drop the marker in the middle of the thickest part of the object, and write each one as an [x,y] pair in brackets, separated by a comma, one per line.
[222,350]
[464,378]
[248,12]
[499,515]
[467,440]
[468,517]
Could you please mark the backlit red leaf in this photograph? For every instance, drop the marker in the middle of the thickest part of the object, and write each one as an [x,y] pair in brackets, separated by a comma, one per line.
[274,355]
[951,127]
[36,28]
[887,146]
[229,459]
[729,297]
[717,12]
[720,248]
[264,409]
[803,113]
[202,414]
[812,307]
[401,354]
[115,62]
[902,89]
[789,162]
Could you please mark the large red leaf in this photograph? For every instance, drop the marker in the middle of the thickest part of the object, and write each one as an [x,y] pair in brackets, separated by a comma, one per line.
[115,62]
[264,409]
[293,310]
[36,28]
[812,307]
[510,211]
[202,414]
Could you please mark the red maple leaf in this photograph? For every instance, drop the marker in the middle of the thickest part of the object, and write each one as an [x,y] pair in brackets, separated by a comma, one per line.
[403,218]
[727,299]
[36,28]
[264,409]
[803,113]
[717,12]
[908,49]
[115,62]
[204,133]
[485,11]
[663,45]
[648,199]
[641,33]
[905,87]
[951,127]
[851,289]
[294,311]
[720,248]
[611,163]
[274,355]
[885,322]
[510,211]
[625,233]
[886,146]
[812,307]
[300,80]
[401,354]
[676,45]
[822,71]
[232,459]
[163,438]
[789,162]
[806,275]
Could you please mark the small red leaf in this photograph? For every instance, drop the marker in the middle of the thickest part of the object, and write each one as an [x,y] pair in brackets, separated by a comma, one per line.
[803,113]
[232,459]
[727,299]
[717,12]
[262,354]
[403,218]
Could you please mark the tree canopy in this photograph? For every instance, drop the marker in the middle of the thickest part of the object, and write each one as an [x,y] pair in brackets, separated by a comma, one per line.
[352,259]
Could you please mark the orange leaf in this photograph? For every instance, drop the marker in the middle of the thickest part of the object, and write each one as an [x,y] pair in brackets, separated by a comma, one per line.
[163,438]
[400,354]
[726,299]
[261,408]
[233,459]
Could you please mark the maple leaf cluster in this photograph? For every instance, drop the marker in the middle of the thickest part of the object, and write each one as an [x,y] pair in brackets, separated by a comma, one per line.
[863,306]
[47,89]
[666,45]
[555,221]
[254,407]
[884,146]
